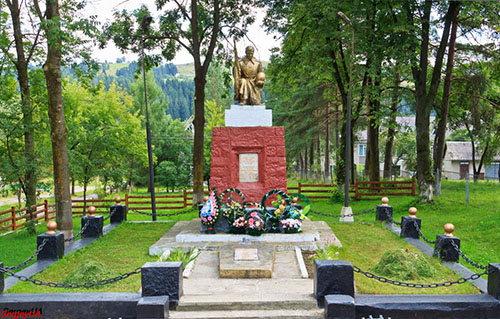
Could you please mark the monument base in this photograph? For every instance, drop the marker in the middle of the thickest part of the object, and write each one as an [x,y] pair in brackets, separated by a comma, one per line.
[249,115]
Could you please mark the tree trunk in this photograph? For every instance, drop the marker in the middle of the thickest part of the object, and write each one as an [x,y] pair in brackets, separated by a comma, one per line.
[424,98]
[131,176]
[58,131]
[30,178]
[199,124]
[327,145]
[306,162]
[391,130]
[311,159]
[72,187]
[445,104]
[373,128]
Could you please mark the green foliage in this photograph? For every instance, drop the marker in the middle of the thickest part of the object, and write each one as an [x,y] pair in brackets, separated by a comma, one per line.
[180,254]
[405,265]
[88,271]
[337,196]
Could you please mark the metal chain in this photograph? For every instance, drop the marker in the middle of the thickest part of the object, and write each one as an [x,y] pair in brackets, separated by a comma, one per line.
[170,214]
[80,233]
[73,285]
[24,263]
[366,211]
[391,220]
[467,259]
[432,242]
[419,285]
[110,214]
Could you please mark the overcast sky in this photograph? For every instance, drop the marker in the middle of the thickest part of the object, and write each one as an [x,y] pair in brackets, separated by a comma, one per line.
[105,8]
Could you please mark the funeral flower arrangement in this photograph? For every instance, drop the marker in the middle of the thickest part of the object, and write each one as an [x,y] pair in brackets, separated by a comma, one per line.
[239,225]
[208,213]
[255,224]
[254,218]
[291,225]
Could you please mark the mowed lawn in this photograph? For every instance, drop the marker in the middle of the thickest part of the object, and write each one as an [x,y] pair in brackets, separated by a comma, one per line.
[126,247]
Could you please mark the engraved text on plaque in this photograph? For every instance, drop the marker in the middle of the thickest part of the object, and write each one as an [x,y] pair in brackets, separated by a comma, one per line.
[249,167]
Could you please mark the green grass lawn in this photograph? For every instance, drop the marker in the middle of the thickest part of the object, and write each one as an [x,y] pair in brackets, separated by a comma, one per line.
[364,244]
[122,250]
[476,224]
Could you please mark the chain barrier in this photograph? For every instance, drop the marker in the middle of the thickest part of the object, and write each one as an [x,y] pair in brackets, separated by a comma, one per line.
[366,211]
[467,259]
[169,214]
[419,285]
[24,263]
[73,285]
[391,220]
[432,242]
[110,214]
[79,233]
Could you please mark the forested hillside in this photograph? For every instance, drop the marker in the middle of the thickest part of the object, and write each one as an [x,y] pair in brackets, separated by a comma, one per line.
[176,83]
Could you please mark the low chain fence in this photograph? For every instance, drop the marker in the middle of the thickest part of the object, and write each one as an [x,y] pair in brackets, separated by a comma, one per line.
[161,214]
[72,285]
[382,279]
[366,211]
[467,259]
[27,261]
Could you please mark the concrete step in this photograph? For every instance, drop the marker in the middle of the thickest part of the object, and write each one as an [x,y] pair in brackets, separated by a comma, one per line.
[249,314]
[229,302]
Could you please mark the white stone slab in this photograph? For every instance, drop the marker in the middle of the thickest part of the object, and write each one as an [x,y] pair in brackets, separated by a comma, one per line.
[231,238]
[248,115]
[249,167]
[346,215]
[302,265]
[246,254]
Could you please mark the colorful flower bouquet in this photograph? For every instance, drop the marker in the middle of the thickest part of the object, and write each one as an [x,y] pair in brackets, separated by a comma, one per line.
[239,225]
[255,224]
[208,214]
[291,225]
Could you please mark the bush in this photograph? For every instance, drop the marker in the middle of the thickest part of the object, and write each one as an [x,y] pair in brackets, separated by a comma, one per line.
[404,265]
[337,196]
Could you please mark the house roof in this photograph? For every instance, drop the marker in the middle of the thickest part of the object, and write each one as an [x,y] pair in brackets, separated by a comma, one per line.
[461,151]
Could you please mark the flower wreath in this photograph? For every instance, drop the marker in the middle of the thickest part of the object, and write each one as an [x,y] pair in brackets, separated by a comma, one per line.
[208,213]
[232,209]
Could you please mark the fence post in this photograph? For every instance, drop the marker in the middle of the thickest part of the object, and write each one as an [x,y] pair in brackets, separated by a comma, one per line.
[467,188]
[54,247]
[494,280]
[413,186]
[184,194]
[300,188]
[162,279]
[444,247]
[46,209]
[356,190]
[408,227]
[126,201]
[332,277]
[13,214]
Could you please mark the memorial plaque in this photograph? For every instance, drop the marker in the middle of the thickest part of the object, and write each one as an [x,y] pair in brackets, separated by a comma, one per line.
[245,254]
[249,167]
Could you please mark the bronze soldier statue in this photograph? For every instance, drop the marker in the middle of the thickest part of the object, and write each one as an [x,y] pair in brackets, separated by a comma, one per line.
[248,78]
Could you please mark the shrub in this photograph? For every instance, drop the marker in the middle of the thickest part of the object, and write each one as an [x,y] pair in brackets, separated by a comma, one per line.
[403,264]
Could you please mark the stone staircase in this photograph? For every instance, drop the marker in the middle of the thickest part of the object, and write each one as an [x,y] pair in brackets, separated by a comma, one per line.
[247,307]
[285,295]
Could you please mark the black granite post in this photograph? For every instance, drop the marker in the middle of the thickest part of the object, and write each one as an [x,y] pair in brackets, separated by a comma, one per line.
[444,248]
[332,277]
[494,280]
[119,215]
[162,279]
[2,281]
[408,228]
[339,307]
[153,307]
[383,212]
[94,226]
[54,247]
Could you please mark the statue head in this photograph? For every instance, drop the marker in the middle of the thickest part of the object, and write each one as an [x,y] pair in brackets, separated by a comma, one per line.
[249,50]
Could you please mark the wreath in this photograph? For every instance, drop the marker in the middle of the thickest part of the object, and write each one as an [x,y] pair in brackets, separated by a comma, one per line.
[230,208]
[208,213]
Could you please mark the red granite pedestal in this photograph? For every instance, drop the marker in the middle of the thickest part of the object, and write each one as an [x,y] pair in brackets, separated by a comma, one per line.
[266,144]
